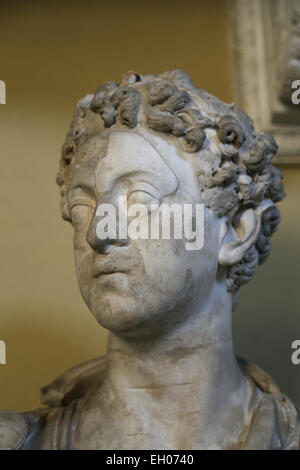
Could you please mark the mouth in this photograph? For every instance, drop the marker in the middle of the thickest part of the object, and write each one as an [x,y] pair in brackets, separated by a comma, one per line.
[107,268]
[107,273]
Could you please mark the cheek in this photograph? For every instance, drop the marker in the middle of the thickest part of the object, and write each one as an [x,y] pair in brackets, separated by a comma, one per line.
[81,219]
[168,264]
[165,263]
[81,250]
[83,257]
[204,262]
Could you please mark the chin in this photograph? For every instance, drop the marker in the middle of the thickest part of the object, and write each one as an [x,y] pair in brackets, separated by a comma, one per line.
[126,315]
[118,315]
[126,308]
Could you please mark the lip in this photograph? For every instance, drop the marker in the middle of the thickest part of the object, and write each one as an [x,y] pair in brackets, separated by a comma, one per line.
[108,267]
[107,272]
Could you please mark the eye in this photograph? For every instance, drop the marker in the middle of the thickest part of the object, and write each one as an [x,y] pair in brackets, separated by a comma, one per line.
[81,201]
[143,193]
[81,206]
[141,197]
[80,197]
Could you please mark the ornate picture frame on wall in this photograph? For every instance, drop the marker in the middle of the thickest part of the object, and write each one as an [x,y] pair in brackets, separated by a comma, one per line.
[265,51]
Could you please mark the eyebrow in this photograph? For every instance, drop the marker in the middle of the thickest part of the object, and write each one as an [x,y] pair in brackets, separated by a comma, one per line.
[82,187]
[135,176]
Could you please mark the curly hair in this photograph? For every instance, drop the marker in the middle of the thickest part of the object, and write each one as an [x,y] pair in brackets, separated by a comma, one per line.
[235,176]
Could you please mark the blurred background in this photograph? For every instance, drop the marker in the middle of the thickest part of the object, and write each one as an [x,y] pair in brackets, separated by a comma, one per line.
[53,53]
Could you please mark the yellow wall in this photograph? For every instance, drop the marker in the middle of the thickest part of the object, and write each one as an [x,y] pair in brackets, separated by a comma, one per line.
[52,53]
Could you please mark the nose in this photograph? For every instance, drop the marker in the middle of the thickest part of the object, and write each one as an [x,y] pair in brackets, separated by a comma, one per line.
[103,234]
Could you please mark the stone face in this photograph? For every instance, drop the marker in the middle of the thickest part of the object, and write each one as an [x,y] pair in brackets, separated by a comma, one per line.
[136,153]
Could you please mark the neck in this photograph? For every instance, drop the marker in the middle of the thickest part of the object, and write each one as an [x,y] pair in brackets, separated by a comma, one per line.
[193,366]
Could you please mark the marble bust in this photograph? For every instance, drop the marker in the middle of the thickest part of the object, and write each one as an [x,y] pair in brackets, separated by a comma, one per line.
[170,379]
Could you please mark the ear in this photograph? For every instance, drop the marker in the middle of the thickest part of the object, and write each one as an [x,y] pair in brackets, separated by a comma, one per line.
[236,240]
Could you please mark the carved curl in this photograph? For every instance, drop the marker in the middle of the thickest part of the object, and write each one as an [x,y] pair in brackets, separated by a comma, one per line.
[193,140]
[159,91]
[229,131]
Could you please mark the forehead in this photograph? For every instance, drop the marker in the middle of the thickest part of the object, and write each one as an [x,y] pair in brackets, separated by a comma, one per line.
[133,154]
[108,157]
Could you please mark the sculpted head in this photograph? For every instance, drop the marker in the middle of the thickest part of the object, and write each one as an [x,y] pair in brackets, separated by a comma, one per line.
[153,140]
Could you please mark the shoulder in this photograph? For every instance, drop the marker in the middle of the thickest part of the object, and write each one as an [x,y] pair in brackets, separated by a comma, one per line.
[13,429]
[37,429]
[23,431]
[74,383]
[275,419]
